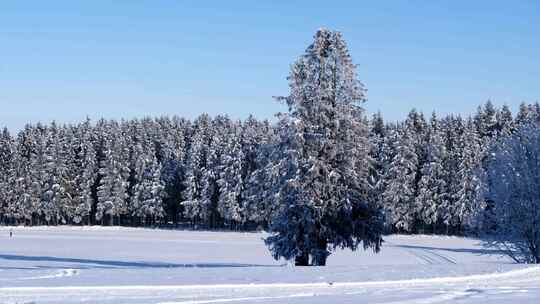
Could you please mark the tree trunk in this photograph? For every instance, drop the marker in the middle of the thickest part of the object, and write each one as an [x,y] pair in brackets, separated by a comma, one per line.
[319,259]
[302,259]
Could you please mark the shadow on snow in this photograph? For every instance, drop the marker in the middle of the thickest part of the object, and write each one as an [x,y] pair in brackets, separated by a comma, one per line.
[459,250]
[112,263]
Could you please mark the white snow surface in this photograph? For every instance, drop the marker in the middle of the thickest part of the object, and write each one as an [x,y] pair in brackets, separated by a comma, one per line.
[128,265]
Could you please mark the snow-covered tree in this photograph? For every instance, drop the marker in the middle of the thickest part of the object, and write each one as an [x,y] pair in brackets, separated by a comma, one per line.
[514,174]
[86,172]
[114,172]
[378,155]
[432,186]
[196,163]
[322,195]
[7,172]
[147,200]
[525,115]
[211,189]
[399,192]
[448,210]
[505,122]
[259,203]
[60,157]
[486,120]
[256,144]
[172,156]
[230,182]
[46,181]
[469,174]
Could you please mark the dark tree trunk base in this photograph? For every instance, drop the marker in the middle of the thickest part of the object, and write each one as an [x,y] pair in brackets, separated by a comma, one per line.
[319,261]
[302,260]
[321,254]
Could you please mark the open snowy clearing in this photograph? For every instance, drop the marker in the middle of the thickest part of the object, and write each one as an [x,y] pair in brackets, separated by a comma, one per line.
[124,265]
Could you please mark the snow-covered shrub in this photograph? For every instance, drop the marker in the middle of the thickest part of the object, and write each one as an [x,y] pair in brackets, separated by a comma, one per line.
[513,194]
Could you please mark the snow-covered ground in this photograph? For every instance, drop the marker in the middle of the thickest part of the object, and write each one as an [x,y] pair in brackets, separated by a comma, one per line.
[124,265]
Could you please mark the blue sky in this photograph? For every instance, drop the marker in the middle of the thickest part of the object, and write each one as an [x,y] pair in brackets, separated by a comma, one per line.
[64,60]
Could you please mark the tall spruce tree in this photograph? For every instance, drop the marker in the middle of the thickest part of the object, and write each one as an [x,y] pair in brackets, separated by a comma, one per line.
[7,171]
[114,170]
[322,197]
[400,181]
[525,115]
[470,173]
[453,127]
[377,138]
[259,204]
[86,171]
[432,186]
[505,121]
[211,190]
[230,180]
[486,120]
[196,164]
[147,199]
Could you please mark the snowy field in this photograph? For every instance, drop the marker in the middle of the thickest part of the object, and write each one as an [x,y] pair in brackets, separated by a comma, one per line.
[124,265]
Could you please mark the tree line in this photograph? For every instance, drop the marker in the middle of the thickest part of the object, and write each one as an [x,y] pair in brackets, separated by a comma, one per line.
[136,172]
[425,173]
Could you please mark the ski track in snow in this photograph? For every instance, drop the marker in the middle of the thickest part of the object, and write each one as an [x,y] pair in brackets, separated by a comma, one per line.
[451,296]
[427,256]
[431,300]
[250,299]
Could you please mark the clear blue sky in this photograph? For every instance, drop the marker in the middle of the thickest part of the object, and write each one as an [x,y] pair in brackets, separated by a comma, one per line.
[64,60]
